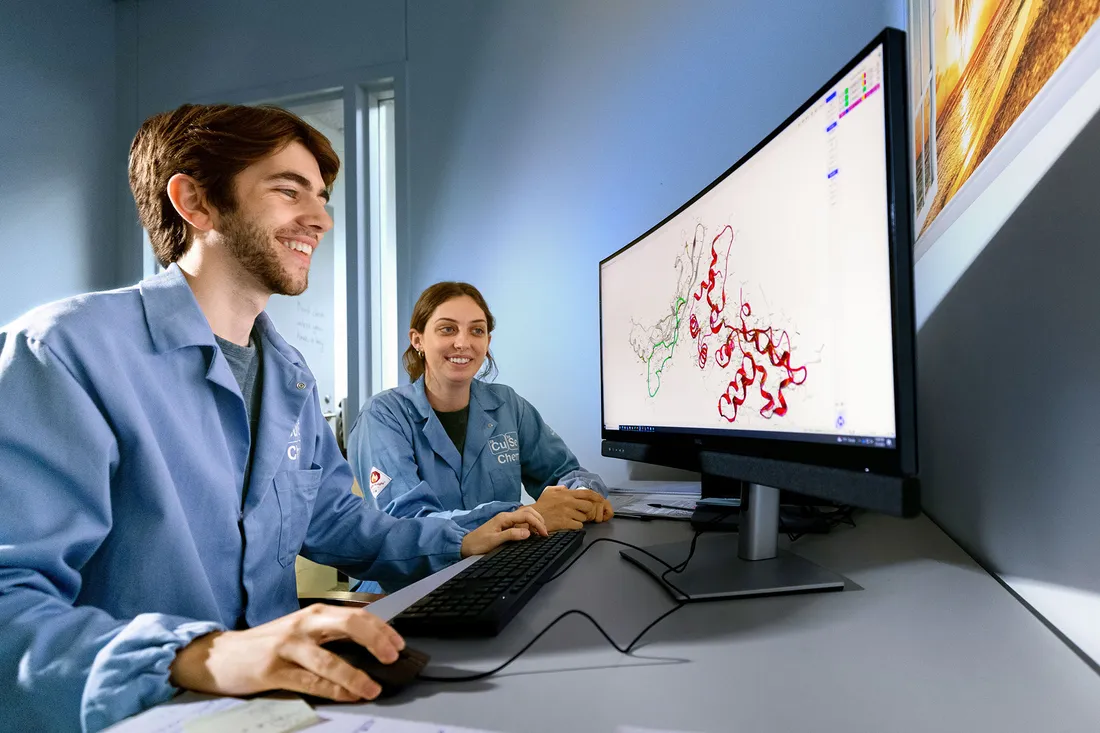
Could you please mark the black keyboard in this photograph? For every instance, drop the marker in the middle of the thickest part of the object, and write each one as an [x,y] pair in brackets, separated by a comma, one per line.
[483,598]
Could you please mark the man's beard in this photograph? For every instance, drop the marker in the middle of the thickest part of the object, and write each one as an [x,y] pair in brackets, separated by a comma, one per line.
[251,246]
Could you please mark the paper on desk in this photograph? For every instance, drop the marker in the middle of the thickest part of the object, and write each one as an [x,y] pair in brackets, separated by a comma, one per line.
[170,717]
[263,715]
[340,722]
[182,716]
[683,488]
[668,508]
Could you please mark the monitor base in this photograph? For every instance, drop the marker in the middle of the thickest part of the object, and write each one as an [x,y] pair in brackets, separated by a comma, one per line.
[716,572]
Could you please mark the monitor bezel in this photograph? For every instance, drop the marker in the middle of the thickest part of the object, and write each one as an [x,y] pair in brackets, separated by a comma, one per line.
[901,460]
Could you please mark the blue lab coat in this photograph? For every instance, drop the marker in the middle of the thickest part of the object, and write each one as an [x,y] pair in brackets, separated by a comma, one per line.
[507,444]
[123,440]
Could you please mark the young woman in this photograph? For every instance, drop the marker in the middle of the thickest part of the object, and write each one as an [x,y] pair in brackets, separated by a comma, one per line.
[450,445]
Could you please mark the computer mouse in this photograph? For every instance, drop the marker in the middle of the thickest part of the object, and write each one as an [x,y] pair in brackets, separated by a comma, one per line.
[391,677]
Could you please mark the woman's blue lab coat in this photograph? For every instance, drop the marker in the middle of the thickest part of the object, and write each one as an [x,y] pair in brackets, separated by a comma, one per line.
[400,441]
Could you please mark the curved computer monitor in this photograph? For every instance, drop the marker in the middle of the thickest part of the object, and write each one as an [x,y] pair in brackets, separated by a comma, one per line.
[764,332]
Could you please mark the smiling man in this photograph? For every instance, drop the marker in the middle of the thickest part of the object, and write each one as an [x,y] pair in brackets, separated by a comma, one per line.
[163,457]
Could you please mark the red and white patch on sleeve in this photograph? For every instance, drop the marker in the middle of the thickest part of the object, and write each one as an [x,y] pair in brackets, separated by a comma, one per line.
[378,481]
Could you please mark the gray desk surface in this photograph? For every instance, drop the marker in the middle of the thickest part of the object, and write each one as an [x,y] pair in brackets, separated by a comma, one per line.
[924,641]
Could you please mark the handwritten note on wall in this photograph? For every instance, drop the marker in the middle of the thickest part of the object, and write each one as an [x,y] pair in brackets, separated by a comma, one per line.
[311,326]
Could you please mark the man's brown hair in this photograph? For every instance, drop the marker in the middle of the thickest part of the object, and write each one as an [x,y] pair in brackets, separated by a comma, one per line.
[435,296]
[212,143]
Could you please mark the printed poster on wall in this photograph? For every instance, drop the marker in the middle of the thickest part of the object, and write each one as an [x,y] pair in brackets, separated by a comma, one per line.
[975,66]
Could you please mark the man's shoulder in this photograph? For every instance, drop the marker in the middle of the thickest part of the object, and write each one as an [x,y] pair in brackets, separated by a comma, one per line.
[266,326]
[67,323]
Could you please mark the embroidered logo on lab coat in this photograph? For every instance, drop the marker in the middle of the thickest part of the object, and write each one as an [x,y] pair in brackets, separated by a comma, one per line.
[294,447]
[378,481]
[505,447]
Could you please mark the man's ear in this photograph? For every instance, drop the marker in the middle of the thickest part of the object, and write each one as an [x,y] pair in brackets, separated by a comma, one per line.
[189,200]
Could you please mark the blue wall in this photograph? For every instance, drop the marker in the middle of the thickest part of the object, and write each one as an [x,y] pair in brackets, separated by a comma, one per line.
[58,173]
[246,45]
[543,136]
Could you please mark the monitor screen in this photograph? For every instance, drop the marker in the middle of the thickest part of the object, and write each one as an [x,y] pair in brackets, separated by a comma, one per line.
[762,308]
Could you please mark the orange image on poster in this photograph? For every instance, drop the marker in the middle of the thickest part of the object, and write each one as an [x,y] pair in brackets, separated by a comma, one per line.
[975,65]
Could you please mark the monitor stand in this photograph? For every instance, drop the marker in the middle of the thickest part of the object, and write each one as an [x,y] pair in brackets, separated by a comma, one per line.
[742,566]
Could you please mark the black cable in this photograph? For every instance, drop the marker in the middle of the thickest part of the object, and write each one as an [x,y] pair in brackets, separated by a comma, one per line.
[578,612]
[682,566]
[830,519]
[680,603]
[575,611]
[649,554]
[842,515]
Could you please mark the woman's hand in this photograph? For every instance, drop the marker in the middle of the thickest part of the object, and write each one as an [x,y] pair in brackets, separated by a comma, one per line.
[286,654]
[601,509]
[568,508]
[504,527]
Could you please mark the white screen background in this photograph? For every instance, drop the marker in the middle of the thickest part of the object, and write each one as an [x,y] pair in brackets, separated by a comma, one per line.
[808,252]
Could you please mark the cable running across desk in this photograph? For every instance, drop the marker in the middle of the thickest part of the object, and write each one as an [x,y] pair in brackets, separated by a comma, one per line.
[576,611]
[622,650]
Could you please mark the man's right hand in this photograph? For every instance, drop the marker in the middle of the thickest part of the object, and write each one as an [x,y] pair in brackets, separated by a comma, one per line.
[564,508]
[286,654]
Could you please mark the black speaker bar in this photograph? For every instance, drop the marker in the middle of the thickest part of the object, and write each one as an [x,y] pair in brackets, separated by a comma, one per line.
[894,495]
